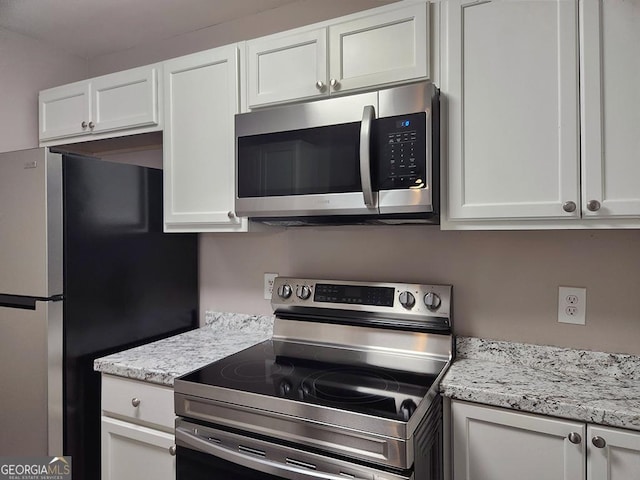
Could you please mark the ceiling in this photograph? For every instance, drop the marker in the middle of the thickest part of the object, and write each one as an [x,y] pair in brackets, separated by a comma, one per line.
[90,28]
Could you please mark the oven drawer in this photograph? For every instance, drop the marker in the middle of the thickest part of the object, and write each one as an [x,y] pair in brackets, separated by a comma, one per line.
[137,401]
[204,452]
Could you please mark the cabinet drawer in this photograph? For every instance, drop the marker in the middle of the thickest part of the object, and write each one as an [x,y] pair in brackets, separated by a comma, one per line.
[154,402]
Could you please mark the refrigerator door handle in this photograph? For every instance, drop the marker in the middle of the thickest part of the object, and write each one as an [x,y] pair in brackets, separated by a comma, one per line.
[25,303]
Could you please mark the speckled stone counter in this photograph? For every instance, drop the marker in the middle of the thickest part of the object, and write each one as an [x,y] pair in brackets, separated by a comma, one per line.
[594,387]
[162,361]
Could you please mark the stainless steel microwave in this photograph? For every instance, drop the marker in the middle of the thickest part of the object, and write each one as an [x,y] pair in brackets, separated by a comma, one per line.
[366,158]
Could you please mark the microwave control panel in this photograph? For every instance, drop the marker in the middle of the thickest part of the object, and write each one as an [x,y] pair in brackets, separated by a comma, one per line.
[402,150]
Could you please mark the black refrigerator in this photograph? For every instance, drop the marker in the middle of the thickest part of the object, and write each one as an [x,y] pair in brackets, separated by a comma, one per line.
[85,271]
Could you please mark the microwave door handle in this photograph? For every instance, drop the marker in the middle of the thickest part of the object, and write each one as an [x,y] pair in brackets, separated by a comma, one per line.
[368,115]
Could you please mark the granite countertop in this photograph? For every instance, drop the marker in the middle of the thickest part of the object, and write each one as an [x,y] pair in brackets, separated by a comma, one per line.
[593,387]
[162,361]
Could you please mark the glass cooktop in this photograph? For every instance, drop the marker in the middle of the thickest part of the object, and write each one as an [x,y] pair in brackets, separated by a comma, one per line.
[332,377]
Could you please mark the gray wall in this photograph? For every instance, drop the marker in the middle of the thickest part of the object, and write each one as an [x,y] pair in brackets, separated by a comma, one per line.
[26,67]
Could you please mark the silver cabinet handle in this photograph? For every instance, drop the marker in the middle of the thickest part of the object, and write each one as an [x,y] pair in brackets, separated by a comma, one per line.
[368,115]
[231,215]
[172,450]
[91,125]
[320,85]
[593,205]
[598,442]
[335,84]
[569,207]
[83,124]
[135,402]
[574,438]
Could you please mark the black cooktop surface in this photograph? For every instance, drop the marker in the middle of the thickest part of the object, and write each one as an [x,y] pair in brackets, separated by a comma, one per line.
[331,377]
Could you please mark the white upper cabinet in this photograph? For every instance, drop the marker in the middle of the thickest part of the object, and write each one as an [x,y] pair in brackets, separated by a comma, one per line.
[124,102]
[358,52]
[284,67]
[530,143]
[201,97]
[510,78]
[610,108]
[380,49]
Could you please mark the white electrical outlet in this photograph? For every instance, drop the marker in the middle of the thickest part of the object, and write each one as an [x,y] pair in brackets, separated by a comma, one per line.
[268,284]
[572,305]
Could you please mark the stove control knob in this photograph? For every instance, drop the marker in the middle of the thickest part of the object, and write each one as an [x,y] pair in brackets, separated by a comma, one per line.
[407,300]
[284,388]
[284,291]
[303,292]
[407,408]
[432,301]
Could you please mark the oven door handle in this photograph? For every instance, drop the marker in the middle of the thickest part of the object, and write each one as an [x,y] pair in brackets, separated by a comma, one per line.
[368,115]
[185,438]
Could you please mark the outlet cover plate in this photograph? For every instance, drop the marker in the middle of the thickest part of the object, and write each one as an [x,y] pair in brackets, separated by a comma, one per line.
[268,284]
[572,305]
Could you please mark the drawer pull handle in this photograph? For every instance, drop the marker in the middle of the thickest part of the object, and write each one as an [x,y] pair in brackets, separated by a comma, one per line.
[135,402]
[172,450]
[598,442]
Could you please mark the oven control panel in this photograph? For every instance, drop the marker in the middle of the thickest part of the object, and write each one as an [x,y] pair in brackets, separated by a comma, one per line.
[401,300]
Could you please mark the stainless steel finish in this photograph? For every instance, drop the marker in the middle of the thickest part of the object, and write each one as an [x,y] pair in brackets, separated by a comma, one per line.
[574,438]
[320,85]
[284,291]
[55,367]
[407,300]
[368,115]
[31,361]
[417,97]
[420,313]
[598,442]
[83,125]
[322,113]
[303,292]
[304,205]
[593,205]
[569,207]
[277,460]
[92,125]
[231,215]
[383,348]
[135,402]
[335,84]
[172,450]
[31,264]
[432,301]
[331,111]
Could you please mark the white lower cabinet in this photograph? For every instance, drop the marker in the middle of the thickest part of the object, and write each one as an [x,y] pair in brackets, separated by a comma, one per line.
[137,430]
[491,443]
[132,452]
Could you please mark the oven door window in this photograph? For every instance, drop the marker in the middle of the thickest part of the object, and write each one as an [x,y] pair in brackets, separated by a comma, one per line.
[193,465]
[302,162]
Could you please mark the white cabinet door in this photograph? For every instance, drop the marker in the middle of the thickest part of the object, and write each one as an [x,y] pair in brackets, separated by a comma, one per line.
[64,111]
[495,444]
[510,86]
[282,68]
[126,99]
[133,452]
[201,96]
[380,49]
[617,456]
[610,107]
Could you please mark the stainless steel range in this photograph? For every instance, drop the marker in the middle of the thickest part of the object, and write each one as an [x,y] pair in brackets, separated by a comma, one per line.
[347,387]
